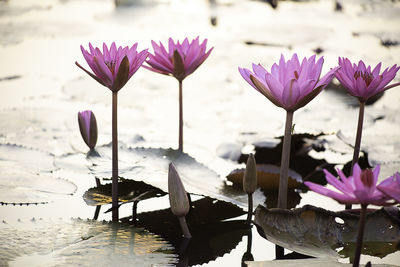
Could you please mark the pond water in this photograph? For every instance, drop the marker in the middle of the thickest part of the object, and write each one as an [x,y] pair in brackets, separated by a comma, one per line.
[44,162]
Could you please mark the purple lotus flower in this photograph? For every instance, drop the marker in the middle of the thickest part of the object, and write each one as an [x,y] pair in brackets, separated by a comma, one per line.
[289,85]
[88,127]
[181,59]
[363,83]
[391,187]
[360,188]
[113,67]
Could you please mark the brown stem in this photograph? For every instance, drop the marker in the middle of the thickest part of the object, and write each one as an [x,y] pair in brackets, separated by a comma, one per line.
[115,216]
[184,227]
[180,117]
[360,236]
[358,140]
[283,178]
[250,210]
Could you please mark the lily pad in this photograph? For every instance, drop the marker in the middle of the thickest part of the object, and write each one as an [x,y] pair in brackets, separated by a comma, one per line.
[212,236]
[128,191]
[150,165]
[303,262]
[267,177]
[81,243]
[25,177]
[46,129]
[321,233]
[301,162]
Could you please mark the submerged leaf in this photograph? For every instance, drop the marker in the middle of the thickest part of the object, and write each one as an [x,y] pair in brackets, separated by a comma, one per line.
[81,243]
[128,191]
[320,233]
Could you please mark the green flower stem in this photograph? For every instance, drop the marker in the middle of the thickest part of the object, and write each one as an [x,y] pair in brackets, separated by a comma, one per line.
[283,178]
[360,236]
[250,209]
[184,227]
[358,140]
[180,117]
[115,216]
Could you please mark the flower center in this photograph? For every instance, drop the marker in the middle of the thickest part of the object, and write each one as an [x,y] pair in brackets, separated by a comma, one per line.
[110,65]
[366,76]
[367,177]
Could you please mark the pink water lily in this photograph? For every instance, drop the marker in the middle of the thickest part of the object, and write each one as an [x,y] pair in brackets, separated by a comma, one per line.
[360,188]
[114,66]
[289,85]
[363,82]
[391,187]
[88,127]
[181,59]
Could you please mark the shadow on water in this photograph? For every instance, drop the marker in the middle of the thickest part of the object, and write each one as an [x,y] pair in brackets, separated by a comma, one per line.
[213,236]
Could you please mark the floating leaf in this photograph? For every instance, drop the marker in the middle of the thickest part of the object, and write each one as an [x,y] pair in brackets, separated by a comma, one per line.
[81,243]
[150,165]
[268,177]
[295,263]
[25,177]
[46,129]
[18,157]
[308,167]
[318,232]
[211,235]
[128,191]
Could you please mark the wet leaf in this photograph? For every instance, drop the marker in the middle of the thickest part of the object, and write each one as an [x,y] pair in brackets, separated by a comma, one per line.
[268,177]
[150,165]
[25,177]
[45,129]
[301,262]
[320,233]
[212,237]
[301,162]
[128,191]
[81,243]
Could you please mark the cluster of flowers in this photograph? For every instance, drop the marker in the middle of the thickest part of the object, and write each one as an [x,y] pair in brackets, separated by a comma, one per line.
[289,84]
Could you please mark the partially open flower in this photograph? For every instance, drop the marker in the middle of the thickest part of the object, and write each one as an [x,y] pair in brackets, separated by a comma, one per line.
[113,67]
[289,85]
[360,188]
[177,194]
[181,59]
[391,187]
[362,82]
[88,127]
[250,175]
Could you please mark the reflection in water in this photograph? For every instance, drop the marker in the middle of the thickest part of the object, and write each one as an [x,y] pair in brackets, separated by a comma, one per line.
[212,235]
[96,212]
[247,256]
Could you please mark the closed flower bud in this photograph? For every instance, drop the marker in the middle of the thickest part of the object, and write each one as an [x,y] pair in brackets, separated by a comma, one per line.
[178,198]
[250,176]
[88,127]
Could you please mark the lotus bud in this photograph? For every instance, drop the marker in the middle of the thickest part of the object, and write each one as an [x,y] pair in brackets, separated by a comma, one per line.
[177,194]
[250,176]
[178,199]
[88,127]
